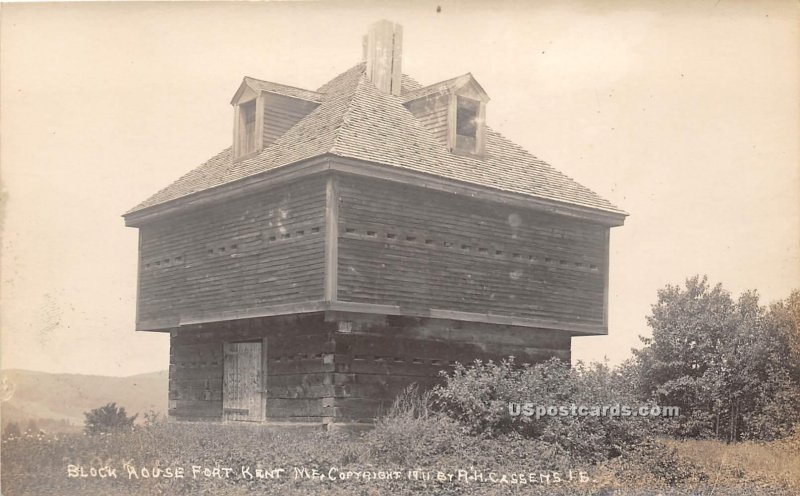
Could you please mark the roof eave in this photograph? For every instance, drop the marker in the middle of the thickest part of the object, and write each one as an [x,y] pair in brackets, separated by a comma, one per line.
[447,86]
[141,216]
[247,82]
[244,84]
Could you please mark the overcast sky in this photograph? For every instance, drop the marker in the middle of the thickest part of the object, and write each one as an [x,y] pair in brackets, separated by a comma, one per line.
[684,114]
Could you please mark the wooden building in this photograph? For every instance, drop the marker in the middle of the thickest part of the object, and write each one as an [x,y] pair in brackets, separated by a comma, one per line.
[359,238]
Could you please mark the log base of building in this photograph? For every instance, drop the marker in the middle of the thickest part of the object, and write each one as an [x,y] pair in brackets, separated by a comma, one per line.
[330,369]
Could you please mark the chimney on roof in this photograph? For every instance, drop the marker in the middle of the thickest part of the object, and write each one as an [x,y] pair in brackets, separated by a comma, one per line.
[383,46]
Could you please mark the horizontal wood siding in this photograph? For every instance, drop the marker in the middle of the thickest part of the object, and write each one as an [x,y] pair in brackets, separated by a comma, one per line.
[432,112]
[260,250]
[281,113]
[419,249]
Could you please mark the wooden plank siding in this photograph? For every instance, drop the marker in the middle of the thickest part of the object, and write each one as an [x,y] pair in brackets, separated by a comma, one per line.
[260,250]
[281,113]
[419,249]
[371,285]
[433,113]
[242,381]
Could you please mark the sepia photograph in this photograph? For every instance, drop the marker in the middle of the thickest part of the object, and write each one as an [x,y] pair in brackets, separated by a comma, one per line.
[367,248]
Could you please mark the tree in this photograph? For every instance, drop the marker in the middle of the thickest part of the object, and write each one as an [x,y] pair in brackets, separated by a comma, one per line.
[727,364]
[107,419]
[779,389]
[688,328]
[785,317]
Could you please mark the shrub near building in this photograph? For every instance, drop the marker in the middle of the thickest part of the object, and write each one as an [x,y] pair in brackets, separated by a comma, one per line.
[478,397]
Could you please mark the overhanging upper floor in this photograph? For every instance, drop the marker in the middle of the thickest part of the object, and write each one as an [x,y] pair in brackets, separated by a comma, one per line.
[334,234]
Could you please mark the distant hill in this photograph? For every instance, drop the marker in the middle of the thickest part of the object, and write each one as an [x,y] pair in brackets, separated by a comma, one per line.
[60,399]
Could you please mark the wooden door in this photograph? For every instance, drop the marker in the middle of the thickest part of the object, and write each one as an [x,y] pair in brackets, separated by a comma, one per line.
[242,382]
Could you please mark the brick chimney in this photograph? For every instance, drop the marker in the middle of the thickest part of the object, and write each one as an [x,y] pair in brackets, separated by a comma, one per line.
[383,47]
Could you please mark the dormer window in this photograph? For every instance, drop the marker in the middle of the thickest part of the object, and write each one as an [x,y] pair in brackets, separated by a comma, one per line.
[467,113]
[247,129]
[247,134]
[454,111]
[264,111]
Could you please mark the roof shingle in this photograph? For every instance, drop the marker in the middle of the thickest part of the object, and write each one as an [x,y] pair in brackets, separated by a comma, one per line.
[356,120]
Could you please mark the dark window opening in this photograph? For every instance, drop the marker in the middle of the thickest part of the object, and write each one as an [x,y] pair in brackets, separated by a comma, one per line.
[467,117]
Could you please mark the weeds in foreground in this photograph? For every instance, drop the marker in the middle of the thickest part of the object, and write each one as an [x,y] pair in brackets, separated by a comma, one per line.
[411,437]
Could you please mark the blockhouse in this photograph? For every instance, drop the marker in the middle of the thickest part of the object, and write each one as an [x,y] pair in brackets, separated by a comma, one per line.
[359,238]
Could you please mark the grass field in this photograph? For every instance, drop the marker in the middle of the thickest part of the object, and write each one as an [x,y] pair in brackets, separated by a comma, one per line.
[148,460]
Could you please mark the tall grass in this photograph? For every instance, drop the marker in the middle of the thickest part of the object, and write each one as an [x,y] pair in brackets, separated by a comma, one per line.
[775,464]
[411,436]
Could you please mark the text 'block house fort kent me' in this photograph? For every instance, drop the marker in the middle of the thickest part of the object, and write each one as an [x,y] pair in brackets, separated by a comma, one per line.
[358,238]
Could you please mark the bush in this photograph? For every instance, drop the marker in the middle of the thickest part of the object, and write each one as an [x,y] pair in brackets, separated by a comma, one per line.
[153,418]
[412,431]
[12,430]
[652,464]
[415,434]
[107,419]
[478,397]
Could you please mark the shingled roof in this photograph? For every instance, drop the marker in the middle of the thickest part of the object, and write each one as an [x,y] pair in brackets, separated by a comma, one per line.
[357,121]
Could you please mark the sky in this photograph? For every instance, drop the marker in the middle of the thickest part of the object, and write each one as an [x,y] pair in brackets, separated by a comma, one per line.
[684,114]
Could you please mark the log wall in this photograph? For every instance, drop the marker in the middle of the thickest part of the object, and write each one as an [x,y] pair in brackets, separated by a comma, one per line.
[340,367]
[381,356]
[298,356]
